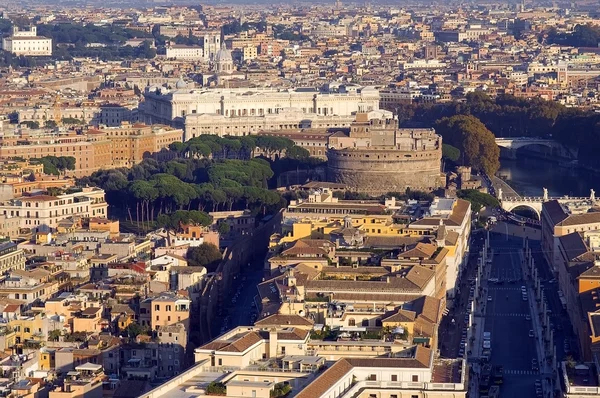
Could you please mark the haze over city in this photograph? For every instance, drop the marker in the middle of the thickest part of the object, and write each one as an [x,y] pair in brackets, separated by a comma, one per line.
[310,200]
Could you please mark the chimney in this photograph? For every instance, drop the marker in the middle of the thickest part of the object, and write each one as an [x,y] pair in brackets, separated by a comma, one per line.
[273,343]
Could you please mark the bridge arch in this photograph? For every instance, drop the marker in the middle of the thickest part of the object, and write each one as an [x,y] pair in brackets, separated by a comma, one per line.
[514,206]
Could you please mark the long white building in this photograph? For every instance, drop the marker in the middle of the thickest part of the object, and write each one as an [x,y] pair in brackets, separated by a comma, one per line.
[163,106]
[204,123]
[27,42]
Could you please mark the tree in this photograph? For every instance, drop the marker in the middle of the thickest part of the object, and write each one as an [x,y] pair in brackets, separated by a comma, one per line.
[216,388]
[206,255]
[478,199]
[451,153]
[280,390]
[297,153]
[54,335]
[476,143]
[224,228]
[31,124]
[134,330]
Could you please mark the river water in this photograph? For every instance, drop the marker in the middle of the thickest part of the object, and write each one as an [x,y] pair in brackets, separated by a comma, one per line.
[528,176]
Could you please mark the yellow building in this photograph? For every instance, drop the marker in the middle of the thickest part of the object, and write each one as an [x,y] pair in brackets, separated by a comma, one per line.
[47,359]
[29,328]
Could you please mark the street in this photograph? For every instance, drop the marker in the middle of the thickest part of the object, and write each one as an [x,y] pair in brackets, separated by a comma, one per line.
[508,318]
[238,310]
[563,331]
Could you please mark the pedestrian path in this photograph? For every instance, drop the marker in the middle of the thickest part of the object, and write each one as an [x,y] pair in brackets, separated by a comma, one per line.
[508,314]
[521,372]
[512,289]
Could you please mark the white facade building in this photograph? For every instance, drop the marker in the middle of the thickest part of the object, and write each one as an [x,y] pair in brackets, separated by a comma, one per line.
[170,107]
[185,52]
[204,123]
[27,43]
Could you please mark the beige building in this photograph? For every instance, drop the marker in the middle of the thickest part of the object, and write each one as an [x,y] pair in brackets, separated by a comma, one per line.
[9,226]
[44,210]
[11,257]
[289,119]
[166,309]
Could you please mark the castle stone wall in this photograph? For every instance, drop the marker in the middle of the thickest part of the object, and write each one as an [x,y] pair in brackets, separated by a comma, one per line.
[378,171]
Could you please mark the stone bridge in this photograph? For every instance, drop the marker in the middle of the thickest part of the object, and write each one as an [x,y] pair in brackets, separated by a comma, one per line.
[535,203]
[553,148]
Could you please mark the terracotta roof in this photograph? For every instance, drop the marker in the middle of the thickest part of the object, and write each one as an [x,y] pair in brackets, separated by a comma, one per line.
[308,246]
[421,250]
[420,276]
[395,285]
[214,345]
[390,241]
[423,355]
[423,327]
[242,344]
[292,334]
[580,219]
[573,245]
[427,307]
[401,316]
[283,320]
[452,238]
[591,273]
[554,210]
[328,378]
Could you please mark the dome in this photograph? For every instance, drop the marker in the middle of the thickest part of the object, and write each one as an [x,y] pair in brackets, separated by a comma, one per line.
[223,55]
[180,84]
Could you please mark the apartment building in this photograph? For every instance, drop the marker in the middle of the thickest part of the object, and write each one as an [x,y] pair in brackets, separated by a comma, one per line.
[85,381]
[102,148]
[166,309]
[363,224]
[11,257]
[41,210]
[29,286]
[560,219]
[257,360]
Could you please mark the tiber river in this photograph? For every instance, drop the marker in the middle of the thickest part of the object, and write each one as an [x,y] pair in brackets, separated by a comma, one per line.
[528,176]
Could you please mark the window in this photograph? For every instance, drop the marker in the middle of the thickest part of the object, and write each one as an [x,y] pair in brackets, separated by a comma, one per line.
[157,307]
[372,377]
[415,378]
[394,377]
[220,362]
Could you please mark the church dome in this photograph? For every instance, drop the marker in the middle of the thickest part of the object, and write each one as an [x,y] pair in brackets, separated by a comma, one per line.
[181,84]
[223,55]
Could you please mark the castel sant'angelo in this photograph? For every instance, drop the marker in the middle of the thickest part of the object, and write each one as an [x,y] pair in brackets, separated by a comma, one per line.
[379,157]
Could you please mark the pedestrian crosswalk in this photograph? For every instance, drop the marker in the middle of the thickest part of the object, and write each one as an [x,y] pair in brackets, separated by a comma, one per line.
[505,288]
[521,372]
[507,314]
